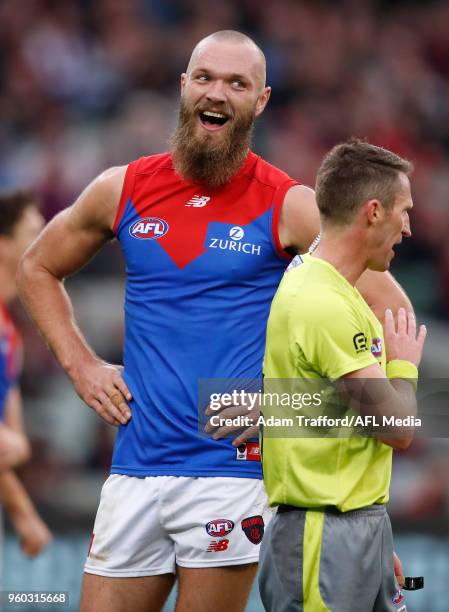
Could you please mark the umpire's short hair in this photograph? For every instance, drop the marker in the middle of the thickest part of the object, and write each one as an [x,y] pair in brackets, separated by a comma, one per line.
[354,172]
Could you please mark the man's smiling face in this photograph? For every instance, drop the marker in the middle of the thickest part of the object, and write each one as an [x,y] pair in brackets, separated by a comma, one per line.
[222,93]
[224,82]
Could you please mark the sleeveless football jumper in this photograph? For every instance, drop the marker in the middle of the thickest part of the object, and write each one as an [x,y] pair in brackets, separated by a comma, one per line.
[10,357]
[202,267]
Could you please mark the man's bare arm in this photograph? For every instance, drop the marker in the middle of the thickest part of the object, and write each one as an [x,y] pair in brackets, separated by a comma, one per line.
[69,241]
[299,222]
[381,291]
[30,528]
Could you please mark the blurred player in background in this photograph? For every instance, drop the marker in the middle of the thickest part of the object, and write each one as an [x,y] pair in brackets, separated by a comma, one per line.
[330,545]
[20,223]
[206,231]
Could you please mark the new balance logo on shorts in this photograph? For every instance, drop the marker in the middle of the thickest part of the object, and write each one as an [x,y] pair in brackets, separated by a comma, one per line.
[218,546]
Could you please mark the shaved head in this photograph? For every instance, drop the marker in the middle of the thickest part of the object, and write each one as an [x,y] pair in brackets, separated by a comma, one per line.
[237,38]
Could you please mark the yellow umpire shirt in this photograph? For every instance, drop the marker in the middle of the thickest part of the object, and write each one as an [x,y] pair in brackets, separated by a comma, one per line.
[320,327]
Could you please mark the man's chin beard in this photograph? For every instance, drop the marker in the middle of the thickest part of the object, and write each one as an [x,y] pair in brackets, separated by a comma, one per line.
[202,161]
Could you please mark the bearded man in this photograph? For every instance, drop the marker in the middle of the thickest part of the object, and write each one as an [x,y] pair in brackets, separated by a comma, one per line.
[205,231]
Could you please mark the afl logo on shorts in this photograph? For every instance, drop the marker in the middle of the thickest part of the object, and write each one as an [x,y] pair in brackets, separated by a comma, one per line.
[150,228]
[219,527]
[398,598]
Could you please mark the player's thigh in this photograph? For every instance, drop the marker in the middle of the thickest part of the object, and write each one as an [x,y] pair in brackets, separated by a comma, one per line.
[105,594]
[215,589]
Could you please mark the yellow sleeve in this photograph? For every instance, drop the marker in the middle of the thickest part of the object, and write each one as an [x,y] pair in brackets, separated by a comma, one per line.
[332,337]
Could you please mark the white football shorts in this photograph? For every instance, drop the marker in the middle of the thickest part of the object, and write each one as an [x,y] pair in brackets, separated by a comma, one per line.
[147,526]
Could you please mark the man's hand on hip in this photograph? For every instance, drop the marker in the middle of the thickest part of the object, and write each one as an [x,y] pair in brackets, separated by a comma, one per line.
[102,387]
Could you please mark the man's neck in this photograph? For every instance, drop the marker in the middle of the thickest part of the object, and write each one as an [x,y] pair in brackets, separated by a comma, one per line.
[343,249]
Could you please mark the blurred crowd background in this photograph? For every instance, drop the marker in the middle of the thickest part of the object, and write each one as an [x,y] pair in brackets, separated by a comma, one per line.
[91,84]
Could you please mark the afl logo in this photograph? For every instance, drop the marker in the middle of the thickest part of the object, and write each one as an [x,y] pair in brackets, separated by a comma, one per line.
[376,347]
[398,598]
[149,228]
[219,527]
[236,233]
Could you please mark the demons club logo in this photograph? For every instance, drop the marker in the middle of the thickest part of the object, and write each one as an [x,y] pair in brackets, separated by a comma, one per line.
[254,526]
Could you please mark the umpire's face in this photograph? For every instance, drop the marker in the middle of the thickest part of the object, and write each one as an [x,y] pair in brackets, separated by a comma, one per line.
[393,226]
